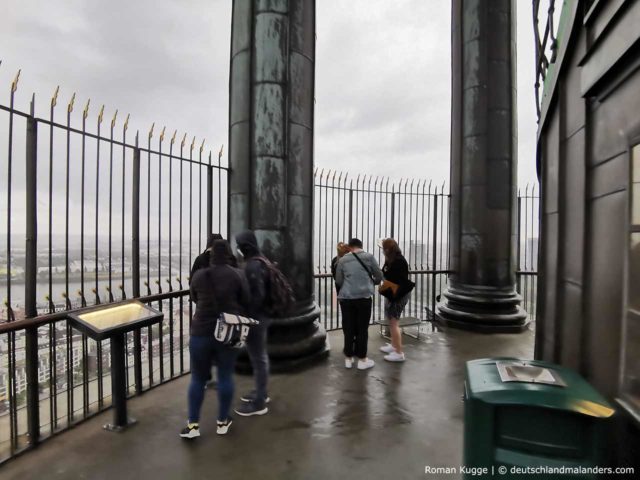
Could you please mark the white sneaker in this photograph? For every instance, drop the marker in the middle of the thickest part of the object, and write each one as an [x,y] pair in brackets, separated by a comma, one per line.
[348,362]
[365,364]
[387,348]
[394,357]
[223,427]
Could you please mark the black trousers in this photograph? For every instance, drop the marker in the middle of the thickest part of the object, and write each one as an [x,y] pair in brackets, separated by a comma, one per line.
[355,326]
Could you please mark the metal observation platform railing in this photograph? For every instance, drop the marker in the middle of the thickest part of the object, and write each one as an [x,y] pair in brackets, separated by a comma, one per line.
[93,214]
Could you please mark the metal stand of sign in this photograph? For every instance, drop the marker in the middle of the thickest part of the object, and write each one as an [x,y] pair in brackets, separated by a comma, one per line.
[119,386]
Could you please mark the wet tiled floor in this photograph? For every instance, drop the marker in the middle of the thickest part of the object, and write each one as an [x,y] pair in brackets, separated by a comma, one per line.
[325,422]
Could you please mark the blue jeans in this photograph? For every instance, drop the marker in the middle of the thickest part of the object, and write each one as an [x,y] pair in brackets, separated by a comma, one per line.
[202,351]
[257,350]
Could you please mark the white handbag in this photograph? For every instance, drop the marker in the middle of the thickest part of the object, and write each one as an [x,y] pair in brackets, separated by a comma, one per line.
[232,329]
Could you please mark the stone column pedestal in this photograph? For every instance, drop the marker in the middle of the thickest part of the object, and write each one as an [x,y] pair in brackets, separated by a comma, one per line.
[481,294]
[271,156]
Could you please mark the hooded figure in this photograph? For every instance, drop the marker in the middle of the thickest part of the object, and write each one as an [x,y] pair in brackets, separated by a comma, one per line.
[255,402]
[204,259]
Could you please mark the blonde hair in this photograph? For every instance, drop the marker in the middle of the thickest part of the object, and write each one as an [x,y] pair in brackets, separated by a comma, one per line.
[342,249]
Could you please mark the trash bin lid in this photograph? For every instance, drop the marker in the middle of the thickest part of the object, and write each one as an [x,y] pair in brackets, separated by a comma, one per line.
[513,381]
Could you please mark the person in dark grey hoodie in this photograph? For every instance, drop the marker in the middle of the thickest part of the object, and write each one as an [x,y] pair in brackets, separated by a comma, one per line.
[255,403]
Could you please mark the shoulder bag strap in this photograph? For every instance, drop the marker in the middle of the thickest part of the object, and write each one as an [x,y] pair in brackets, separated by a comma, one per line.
[363,266]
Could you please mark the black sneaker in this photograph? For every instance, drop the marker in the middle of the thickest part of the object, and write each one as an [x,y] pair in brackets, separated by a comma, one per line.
[248,409]
[223,427]
[251,397]
[211,385]
[192,430]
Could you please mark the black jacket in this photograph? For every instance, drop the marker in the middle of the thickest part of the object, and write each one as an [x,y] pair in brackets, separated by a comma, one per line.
[204,260]
[217,289]
[256,272]
[398,272]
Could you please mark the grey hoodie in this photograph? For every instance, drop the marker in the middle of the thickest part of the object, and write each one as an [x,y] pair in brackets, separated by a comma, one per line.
[353,280]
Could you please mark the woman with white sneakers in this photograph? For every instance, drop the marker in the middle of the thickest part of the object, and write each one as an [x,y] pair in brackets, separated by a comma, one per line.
[396,288]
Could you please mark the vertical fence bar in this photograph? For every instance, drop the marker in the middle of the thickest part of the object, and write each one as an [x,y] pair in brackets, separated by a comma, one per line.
[209,198]
[135,261]
[435,253]
[393,211]
[351,211]
[31,273]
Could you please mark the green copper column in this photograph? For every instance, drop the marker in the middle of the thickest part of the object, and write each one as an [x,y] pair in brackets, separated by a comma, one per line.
[481,292]
[271,156]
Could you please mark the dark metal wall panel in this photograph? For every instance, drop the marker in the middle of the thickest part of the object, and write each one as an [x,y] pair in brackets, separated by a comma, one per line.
[573,208]
[603,314]
[601,18]
[549,305]
[610,49]
[610,176]
[551,164]
[548,267]
[569,348]
[610,120]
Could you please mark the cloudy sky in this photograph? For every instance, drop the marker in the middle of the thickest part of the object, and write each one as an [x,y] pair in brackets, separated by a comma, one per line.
[382,86]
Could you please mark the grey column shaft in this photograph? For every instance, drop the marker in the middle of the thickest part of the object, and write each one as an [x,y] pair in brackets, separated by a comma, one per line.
[271,152]
[481,293]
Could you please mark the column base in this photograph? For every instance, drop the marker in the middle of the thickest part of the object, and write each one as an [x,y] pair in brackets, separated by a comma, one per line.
[294,342]
[482,309]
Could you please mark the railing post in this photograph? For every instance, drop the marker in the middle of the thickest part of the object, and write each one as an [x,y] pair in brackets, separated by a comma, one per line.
[350,214]
[209,200]
[434,254]
[31,269]
[519,240]
[135,263]
[393,215]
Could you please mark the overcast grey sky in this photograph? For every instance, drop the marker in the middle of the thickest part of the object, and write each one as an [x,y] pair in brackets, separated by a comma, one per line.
[382,76]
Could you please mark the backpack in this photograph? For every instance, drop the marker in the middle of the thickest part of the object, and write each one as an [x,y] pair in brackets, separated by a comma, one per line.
[280,298]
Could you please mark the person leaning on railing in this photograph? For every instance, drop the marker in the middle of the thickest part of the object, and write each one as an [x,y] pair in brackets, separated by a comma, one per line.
[341,249]
[396,290]
[356,276]
[217,289]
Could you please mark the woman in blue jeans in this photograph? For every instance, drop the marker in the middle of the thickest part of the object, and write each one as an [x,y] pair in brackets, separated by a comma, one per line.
[217,289]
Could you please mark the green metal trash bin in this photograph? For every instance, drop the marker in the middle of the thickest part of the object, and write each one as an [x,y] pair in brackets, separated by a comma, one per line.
[524,417]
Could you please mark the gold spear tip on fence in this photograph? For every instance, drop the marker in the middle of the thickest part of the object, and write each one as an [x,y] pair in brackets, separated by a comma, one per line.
[220,152]
[151,131]
[162,133]
[54,99]
[126,122]
[193,143]
[113,120]
[14,84]
[184,138]
[173,138]
[202,145]
[101,115]
[71,102]
[85,112]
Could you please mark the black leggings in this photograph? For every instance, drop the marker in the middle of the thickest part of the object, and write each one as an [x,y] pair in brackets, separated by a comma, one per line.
[355,326]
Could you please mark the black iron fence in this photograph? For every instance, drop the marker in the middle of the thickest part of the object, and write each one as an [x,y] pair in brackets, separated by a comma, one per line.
[93,214]
[415,213]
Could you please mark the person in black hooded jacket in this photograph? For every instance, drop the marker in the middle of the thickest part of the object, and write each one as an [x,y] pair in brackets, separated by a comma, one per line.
[217,289]
[204,260]
[255,403]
